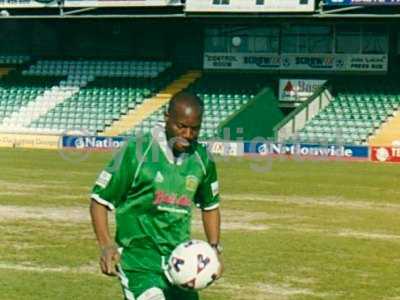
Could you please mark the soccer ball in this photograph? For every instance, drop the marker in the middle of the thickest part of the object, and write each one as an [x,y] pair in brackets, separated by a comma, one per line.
[193,265]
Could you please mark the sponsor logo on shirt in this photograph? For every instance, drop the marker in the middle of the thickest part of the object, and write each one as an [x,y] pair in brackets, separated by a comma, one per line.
[163,198]
[191,183]
[103,179]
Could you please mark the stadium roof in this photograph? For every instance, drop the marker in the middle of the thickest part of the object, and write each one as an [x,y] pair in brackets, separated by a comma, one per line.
[62,9]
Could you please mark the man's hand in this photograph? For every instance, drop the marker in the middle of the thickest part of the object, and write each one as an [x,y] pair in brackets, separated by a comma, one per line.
[109,255]
[109,258]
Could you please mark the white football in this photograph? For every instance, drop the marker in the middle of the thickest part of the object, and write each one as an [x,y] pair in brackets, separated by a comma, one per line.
[193,265]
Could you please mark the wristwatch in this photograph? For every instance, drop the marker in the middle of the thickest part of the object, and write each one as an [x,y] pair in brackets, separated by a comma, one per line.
[217,247]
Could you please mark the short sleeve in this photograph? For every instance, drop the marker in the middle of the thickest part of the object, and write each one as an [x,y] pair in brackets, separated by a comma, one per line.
[113,183]
[207,195]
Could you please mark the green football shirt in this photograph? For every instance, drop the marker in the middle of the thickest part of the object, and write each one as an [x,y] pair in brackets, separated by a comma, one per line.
[153,194]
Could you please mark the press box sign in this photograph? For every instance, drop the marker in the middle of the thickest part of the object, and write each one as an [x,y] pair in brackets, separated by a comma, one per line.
[297,62]
[241,61]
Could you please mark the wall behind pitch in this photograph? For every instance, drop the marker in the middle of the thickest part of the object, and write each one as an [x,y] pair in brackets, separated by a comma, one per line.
[180,41]
[99,38]
[114,39]
[46,39]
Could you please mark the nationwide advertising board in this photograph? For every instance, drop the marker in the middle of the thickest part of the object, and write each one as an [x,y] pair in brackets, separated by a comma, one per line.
[385,154]
[91,142]
[80,3]
[361,2]
[108,143]
[297,62]
[307,150]
[286,6]
[230,148]
[298,89]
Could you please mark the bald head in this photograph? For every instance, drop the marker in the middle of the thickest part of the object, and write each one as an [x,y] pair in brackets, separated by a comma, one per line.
[185,102]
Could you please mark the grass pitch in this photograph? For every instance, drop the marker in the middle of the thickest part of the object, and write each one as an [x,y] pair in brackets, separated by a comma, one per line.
[291,229]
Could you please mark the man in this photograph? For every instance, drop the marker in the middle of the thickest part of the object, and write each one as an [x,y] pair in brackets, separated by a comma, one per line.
[152,183]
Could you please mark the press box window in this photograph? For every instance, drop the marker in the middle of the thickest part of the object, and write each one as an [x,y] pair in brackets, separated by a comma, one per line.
[348,39]
[374,40]
[307,39]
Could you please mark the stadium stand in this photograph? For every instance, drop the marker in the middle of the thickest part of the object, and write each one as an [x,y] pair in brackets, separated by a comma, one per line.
[98,105]
[14,59]
[43,103]
[122,97]
[223,95]
[16,93]
[68,103]
[154,105]
[4,71]
[389,134]
[9,62]
[354,114]
[93,68]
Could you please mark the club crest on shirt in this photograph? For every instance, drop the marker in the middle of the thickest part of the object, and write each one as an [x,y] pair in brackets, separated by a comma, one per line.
[191,183]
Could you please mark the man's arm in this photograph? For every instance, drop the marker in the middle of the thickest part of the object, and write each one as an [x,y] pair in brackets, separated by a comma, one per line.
[109,256]
[212,224]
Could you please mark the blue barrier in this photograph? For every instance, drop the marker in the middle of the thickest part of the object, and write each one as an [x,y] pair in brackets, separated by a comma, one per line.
[91,142]
[307,150]
[236,149]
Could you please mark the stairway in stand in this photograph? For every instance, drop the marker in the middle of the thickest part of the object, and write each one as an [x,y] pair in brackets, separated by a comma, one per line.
[137,115]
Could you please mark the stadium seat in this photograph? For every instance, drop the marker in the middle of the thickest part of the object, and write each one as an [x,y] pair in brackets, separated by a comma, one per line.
[98,68]
[44,98]
[353,115]
[13,59]
[100,103]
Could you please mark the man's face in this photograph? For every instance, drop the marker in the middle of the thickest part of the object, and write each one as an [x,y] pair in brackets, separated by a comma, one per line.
[183,126]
